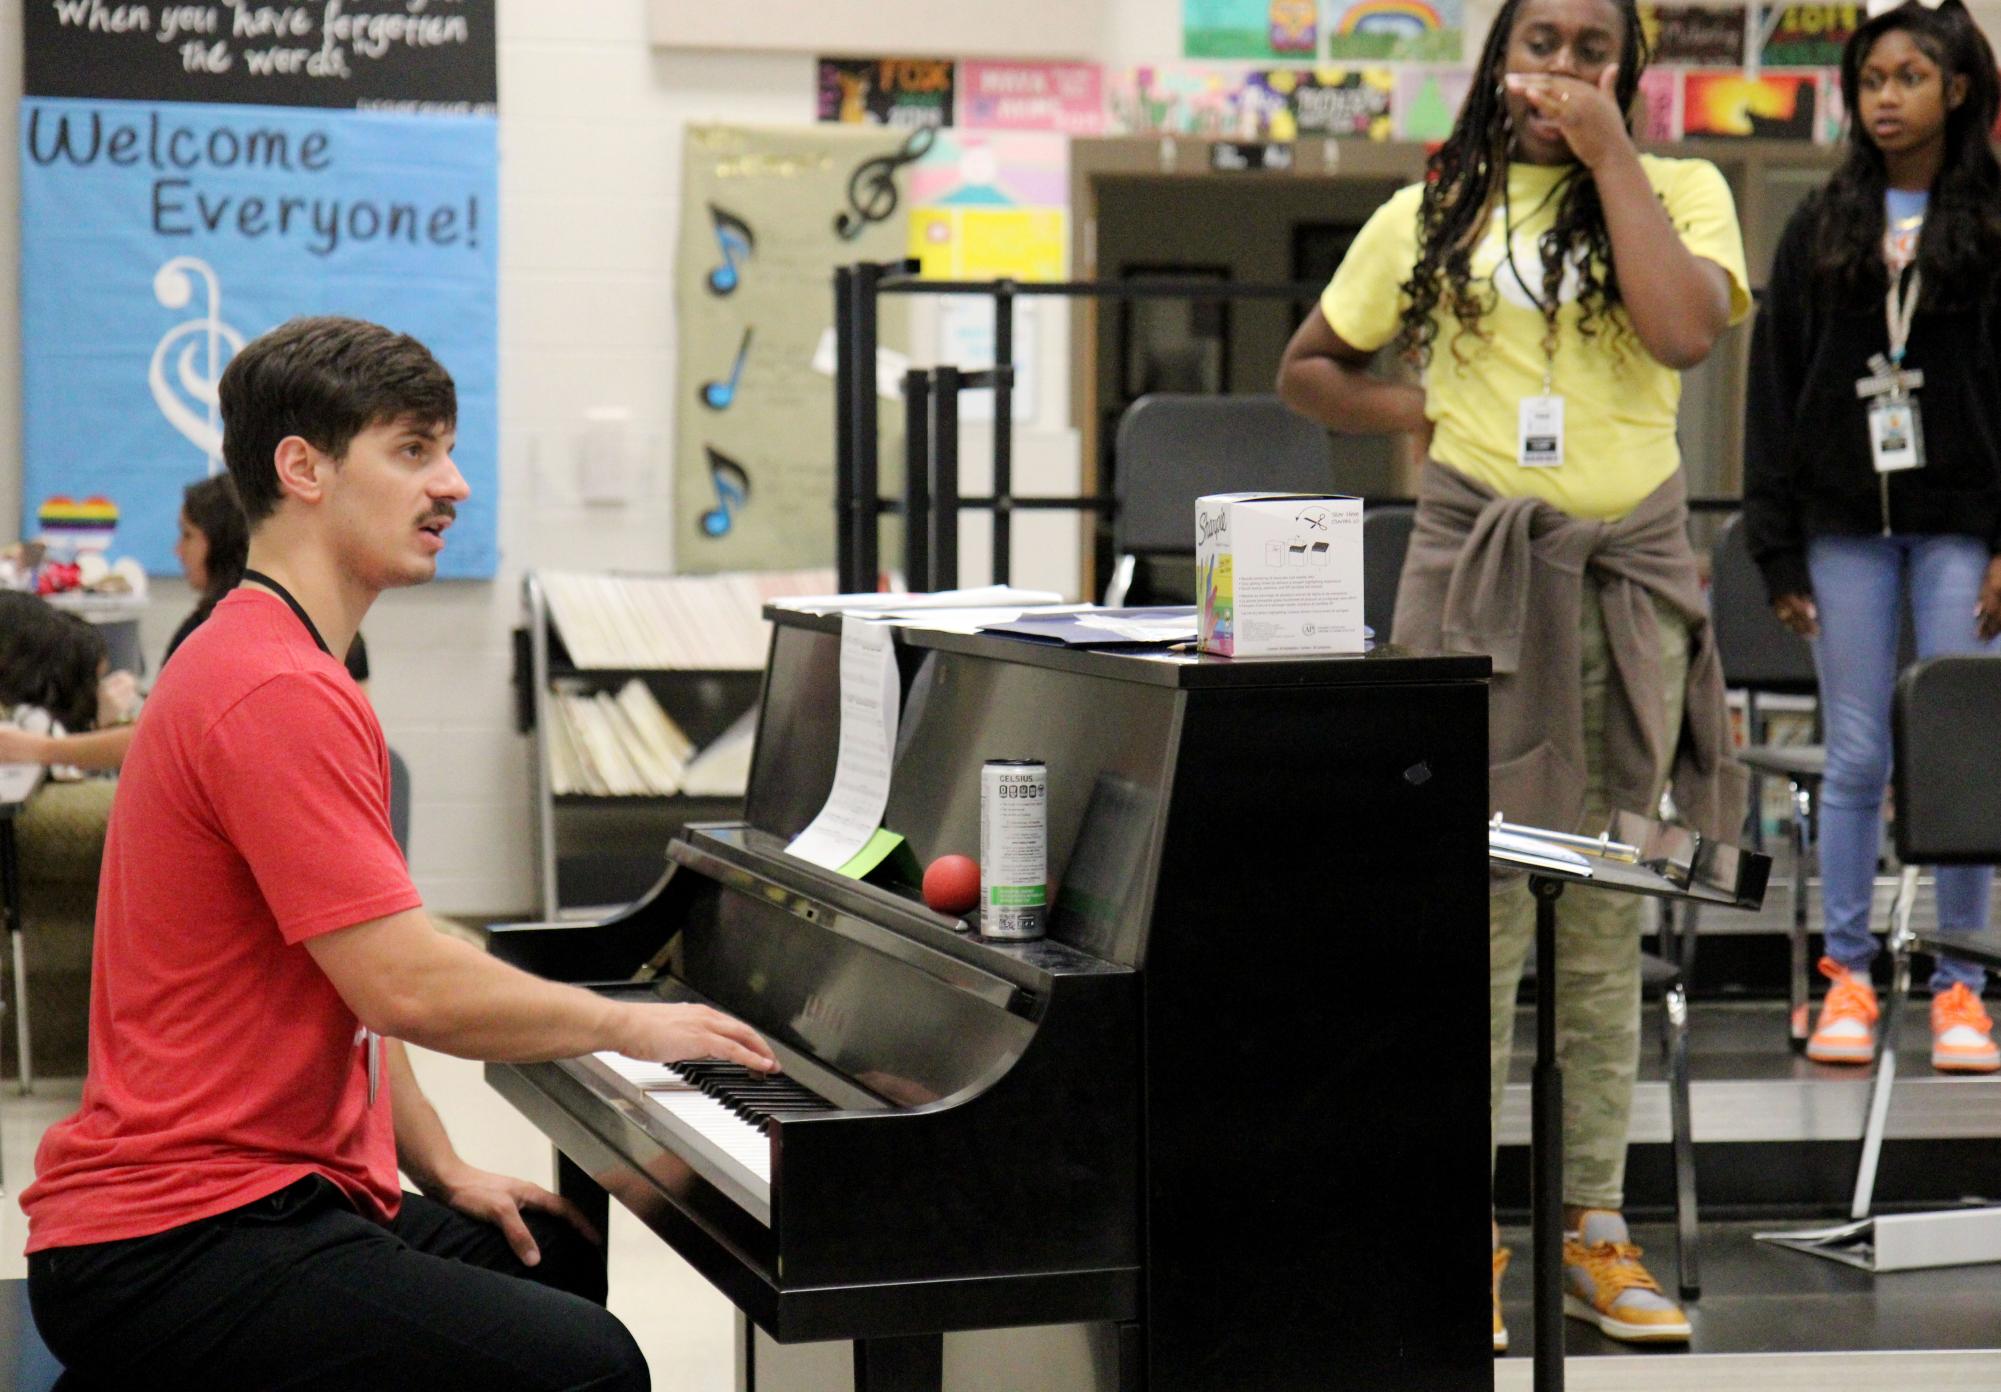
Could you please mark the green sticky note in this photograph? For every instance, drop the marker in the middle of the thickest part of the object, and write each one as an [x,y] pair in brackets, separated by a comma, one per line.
[878,849]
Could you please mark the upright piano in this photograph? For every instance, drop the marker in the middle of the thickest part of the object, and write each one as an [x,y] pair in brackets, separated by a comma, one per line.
[1230,1116]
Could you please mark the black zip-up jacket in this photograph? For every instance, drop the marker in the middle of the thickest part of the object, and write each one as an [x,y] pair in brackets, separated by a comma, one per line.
[1808,470]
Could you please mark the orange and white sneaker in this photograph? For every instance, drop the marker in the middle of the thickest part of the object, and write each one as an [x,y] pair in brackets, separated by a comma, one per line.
[1962,1035]
[1500,1329]
[1605,1284]
[1846,1032]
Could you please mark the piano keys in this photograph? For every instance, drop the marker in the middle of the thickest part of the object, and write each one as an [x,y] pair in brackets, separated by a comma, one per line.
[1199,1116]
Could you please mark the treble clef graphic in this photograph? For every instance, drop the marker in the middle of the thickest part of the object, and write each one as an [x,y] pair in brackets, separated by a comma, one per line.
[198,365]
[872,187]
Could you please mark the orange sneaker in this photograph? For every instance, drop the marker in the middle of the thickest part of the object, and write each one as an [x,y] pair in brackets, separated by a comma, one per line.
[1847,1029]
[1500,1329]
[1962,1035]
[1605,1284]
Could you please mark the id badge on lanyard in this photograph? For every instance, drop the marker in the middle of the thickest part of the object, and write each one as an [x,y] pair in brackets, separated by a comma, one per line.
[1896,434]
[1540,442]
[1896,425]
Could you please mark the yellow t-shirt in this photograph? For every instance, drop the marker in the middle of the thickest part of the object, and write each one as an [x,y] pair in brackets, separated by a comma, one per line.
[1619,403]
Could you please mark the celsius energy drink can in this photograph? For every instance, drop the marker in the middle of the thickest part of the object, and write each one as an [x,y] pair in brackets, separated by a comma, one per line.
[1014,848]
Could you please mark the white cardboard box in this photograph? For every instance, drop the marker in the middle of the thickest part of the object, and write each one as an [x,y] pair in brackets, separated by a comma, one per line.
[1279,574]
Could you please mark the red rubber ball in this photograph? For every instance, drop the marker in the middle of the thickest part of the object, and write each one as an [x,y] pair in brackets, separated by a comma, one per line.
[952,884]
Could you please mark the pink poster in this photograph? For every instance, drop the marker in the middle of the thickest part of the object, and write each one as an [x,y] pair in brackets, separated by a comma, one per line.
[1658,111]
[1065,97]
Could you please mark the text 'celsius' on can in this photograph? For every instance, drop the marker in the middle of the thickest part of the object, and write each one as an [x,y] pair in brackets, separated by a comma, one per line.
[1014,848]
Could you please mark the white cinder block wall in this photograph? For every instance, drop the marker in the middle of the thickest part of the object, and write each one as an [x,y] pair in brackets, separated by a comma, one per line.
[591,123]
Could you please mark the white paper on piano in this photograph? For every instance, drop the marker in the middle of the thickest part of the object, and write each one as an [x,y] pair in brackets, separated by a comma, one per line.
[871,703]
[883,602]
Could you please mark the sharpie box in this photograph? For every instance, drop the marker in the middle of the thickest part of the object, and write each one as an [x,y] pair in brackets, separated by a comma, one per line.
[1279,574]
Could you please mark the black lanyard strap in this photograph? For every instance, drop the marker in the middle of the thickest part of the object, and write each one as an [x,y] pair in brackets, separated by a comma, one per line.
[279,590]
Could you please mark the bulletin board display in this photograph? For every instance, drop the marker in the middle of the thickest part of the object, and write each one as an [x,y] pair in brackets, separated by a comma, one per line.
[192,175]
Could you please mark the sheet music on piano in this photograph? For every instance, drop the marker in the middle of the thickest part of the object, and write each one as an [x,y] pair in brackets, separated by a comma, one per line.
[871,704]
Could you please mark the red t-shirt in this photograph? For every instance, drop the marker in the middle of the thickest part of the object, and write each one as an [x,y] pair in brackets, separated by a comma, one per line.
[252,814]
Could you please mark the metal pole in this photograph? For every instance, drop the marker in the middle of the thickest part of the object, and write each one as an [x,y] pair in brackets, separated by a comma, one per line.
[1003,524]
[1546,1147]
[866,550]
[917,480]
[844,430]
[945,477]
[10,886]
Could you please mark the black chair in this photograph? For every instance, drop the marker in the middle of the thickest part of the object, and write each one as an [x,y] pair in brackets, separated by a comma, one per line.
[1172,449]
[1947,792]
[1760,654]
[1385,541]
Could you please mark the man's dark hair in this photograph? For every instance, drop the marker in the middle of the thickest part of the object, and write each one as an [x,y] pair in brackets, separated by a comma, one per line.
[325,379]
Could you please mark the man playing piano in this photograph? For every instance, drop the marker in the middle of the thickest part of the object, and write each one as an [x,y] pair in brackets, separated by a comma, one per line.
[224,1210]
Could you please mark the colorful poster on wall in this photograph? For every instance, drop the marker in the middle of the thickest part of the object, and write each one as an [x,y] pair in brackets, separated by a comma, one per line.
[767,214]
[1657,115]
[1695,36]
[1403,31]
[1807,36]
[1834,112]
[1344,102]
[1778,106]
[1186,99]
[990,204]
[178,199]
[901,92]
[1249,28]
[1065,97]
[1427,101]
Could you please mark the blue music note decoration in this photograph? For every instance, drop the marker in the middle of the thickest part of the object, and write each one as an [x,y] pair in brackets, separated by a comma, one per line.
[732,492]
[717,396]
[736,242]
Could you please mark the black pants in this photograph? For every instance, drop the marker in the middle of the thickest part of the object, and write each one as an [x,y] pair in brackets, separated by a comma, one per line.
[297,1291]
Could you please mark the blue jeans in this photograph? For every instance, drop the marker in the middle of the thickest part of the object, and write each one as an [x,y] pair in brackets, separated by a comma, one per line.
[1858,587]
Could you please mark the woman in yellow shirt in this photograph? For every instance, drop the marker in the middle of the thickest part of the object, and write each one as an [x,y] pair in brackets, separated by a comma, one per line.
[1551,518]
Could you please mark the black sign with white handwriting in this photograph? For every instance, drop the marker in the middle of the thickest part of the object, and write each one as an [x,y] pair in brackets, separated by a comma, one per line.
[396,55]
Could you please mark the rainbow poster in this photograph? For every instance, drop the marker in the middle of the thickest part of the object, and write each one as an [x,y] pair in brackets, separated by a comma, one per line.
[1410,31]
[1779,106]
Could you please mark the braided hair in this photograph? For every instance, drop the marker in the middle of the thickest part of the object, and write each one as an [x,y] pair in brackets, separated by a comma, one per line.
[1467,175]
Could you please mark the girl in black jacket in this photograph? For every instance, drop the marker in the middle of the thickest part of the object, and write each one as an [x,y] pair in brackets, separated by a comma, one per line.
[1873,461]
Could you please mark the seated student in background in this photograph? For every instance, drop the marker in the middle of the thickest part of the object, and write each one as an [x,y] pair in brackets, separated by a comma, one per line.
[224,1209]
[211,546]
[1842,516]
[213,542]
[54,693]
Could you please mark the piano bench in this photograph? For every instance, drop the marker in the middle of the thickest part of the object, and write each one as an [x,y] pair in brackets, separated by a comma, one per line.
[26,1365]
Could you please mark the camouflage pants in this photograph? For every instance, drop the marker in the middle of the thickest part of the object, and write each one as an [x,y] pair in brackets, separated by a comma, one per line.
[1598,955]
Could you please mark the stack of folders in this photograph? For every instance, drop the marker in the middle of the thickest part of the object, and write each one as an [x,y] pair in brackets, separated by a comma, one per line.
[670,622]
[602,745]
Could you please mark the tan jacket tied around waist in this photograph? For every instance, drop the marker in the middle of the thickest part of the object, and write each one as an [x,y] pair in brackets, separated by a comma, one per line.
[1505,577]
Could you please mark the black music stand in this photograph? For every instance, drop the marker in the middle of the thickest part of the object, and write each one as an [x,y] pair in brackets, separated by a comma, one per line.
[1636,856]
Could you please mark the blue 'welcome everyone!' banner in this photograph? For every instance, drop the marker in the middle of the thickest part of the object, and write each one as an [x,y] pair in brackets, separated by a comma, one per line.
[160,235]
